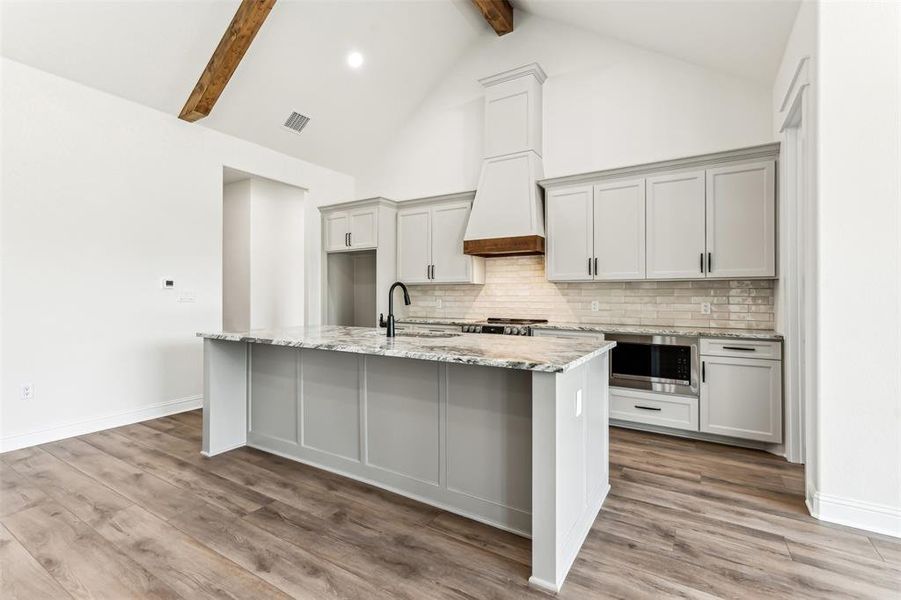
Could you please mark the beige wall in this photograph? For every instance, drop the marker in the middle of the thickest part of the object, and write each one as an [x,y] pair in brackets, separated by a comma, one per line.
[516,287]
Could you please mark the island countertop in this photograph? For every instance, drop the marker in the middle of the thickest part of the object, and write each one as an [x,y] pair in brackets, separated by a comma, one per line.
[547,354]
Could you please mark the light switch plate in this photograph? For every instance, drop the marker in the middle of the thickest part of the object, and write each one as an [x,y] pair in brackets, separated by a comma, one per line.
[595,306]
[26,392]
[705,308]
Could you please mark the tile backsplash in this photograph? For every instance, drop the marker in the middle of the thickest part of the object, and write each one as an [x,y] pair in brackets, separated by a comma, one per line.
[516,287]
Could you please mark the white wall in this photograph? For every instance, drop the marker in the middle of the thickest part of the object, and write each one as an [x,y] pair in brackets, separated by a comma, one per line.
[606,104]
[859,380]
[276,254]
[263,255]
[101,198]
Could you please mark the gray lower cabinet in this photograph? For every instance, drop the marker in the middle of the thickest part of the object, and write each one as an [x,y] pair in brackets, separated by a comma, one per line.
[741,397]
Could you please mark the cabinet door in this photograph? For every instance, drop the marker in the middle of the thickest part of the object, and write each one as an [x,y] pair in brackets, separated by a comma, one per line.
[450,265]
[364,228]
[569,239]
[619,232]
[336,228]
[414,242]
[742,398]
[741,220]
[675,226]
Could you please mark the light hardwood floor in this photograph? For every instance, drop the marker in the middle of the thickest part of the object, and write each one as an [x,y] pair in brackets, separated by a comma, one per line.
[136,512]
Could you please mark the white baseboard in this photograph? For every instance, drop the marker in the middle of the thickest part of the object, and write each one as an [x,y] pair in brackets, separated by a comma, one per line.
[60,432]
[878,518]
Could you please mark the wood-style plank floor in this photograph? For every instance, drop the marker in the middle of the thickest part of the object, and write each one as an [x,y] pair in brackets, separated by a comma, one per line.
[136,512]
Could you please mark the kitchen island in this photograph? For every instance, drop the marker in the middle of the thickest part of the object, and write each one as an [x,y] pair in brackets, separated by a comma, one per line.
[510,431]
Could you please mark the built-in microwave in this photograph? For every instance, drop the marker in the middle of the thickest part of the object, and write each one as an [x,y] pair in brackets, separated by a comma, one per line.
[659,363]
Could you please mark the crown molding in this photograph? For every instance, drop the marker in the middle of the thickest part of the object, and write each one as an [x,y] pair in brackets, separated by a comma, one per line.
[533,69]
[763,151]
[378,200]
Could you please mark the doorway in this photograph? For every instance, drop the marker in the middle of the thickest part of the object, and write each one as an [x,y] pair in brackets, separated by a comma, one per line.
[262,253]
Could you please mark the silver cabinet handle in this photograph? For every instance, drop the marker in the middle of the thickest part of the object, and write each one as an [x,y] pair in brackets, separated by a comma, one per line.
[347,239]
[350,239]
[740,348]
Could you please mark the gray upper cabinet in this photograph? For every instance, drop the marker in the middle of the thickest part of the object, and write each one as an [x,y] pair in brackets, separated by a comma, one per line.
[352,229]
[675,219]
[363,228]
[741,220]
[596,232]
[414,243]
[449,264]
[336,228]
[430,241]
[569,234]
[704,216]
[619,230]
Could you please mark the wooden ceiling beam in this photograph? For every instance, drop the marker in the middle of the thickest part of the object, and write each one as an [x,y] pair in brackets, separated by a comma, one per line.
[228,54]
[498,13]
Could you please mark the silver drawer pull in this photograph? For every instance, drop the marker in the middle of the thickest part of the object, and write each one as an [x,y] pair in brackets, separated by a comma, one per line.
[647,407]
[740,348]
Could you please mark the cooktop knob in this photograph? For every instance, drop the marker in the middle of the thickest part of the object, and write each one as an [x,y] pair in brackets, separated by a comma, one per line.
[507,330]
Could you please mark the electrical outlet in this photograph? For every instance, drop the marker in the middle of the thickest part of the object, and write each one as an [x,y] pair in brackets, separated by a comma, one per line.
[438,303]
[705,308]
[27,392]
[595,306]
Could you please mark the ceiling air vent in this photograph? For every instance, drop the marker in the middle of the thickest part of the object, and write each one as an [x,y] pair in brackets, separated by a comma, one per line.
[296,122]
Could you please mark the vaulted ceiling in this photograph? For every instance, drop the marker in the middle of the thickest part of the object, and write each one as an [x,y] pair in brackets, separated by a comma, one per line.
[152,52]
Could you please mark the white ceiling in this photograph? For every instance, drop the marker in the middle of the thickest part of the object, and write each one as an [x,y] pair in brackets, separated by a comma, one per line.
[742,37]
[152,51]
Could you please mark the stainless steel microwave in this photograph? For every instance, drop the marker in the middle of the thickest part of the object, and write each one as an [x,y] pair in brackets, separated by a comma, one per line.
[660,363]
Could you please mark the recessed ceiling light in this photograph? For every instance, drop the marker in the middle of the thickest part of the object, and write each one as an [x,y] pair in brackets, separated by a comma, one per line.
[355,60]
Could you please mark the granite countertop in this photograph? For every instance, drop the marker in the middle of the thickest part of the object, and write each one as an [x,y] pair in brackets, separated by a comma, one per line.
[750,334]
[548,354]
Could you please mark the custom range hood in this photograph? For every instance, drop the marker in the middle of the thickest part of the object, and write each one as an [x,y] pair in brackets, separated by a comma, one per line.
[507,217]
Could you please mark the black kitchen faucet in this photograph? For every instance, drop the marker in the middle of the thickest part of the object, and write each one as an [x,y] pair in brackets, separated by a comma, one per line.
[391,305]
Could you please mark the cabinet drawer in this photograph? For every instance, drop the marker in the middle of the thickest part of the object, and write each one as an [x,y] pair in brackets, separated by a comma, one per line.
[741,348]
[678,412]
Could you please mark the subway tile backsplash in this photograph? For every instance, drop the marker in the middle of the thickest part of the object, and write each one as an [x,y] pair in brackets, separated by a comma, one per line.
[516,287]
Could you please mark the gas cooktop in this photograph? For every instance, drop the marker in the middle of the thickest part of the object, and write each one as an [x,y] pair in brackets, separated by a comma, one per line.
[503,326]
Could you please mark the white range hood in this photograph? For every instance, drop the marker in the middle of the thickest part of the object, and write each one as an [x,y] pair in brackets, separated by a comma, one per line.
[507,217]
